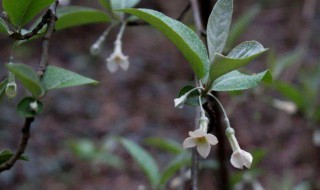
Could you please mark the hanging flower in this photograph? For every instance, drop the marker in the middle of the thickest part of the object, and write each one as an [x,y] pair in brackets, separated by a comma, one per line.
[117,59]
[202,140]
[239,157]
[179,102]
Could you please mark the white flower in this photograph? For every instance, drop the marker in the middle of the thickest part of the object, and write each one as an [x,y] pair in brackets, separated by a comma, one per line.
[239,157]
[11,90]
[179,102]
[201,140]
[95,49]
[117,59]
[316,137]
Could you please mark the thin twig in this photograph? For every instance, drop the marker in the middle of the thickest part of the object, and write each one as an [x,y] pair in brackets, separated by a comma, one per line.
[45,19]
[195,156]
[46,39]
[184,11]
[211,107]
[23,144]
[51,13]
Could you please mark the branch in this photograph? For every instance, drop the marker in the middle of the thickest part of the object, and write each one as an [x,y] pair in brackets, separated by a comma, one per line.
[201,11]
[46,39]
[49,18]
[45,19]
[23,144]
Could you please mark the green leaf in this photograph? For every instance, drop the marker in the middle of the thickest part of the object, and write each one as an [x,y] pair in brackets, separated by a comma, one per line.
[72,16]
[56,77]
[22,11]
[218,26]
[25,110]
[83,148]
[28,77]
[291,92]
[4,27]
[3,86]
[182,36]
[240,56]
[183,160]
[5,155]
[165,144]
[106,4]
[238,81]
[144,159]
[285,61]
[240,25]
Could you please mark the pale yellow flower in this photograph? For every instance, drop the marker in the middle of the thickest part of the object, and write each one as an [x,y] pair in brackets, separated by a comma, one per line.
[201,140]
[117,59]
[239,157]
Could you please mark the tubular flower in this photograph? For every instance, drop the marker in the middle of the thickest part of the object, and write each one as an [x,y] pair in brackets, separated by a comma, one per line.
[117,59]
[202,140]
[239,157]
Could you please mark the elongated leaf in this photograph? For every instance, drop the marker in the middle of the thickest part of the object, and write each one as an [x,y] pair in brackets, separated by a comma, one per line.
[22,11]
[182,36]
[218,26]
[238,81]
[240,25]
[72,16]
[285,61]
[56,77]
[106,4]
[4,27]
[291,92]
[28,77]
[183,160]
[3,86]
[165,144]
[5,155]
[144,159]
[238,57]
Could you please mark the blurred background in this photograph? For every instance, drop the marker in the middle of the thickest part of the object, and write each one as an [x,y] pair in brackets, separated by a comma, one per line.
[74,143]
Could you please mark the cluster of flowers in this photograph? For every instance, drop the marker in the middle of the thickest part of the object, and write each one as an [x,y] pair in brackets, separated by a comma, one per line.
[117,59]
[202,140]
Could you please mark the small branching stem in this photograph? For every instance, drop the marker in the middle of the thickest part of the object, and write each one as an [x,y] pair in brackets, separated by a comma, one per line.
[23,144]
[51,14]
[46,39]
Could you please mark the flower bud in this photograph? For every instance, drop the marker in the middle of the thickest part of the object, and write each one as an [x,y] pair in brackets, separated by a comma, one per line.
[11,90]
[34,106]
[95,49]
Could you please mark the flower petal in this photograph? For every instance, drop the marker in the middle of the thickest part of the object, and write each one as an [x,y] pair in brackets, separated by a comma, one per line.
[124,64]
[204,149]
[247,158]
[178,102]
[211,139]
[189,142]
[241,158]
[197,133]
[112,66]
[237,160]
